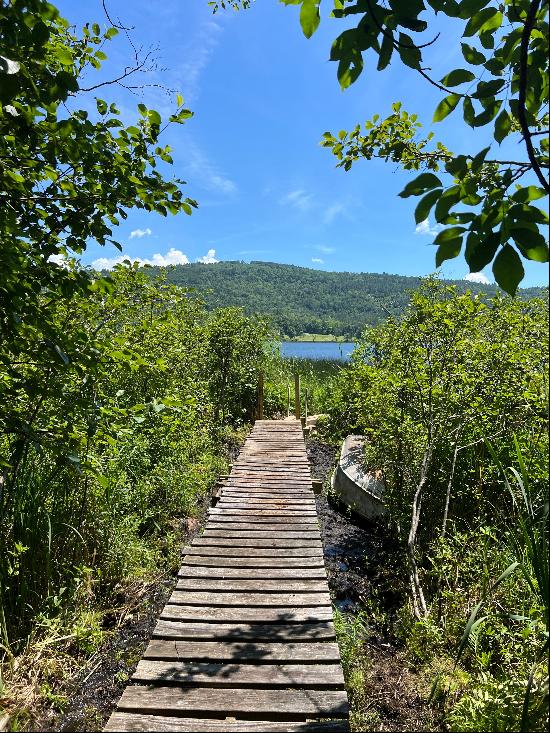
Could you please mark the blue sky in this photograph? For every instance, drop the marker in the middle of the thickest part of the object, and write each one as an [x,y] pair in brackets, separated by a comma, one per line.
[262,96]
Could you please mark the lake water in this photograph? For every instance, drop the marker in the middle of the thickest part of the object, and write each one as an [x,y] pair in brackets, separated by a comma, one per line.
[317,350]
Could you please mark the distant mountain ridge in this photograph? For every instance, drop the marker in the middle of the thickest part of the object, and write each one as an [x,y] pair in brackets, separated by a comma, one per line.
[303,300]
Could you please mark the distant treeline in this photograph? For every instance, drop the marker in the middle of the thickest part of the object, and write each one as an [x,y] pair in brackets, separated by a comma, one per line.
[302,300]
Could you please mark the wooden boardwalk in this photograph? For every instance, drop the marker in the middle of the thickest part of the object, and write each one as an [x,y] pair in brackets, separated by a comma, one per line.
[246,642]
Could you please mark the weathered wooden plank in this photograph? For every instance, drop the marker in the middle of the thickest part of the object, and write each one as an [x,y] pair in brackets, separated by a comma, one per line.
[260,542]
[224,651]
[237,615]
[267,502]
[282,525]
[234,702]
[253,562]
[255,512]
[300,492]
[263,501]
[270,475]
[268,511]
[137,722]
[280,585]
[253,498]
[251,534]
[243,522]
[246,519]
[269,484]
[280,465]
[272,484]
[271,573]
[221,674]
[195,631]
[251,552]
[218,598]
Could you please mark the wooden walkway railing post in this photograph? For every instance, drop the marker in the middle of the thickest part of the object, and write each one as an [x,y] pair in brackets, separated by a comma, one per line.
[246,641]
[297,405]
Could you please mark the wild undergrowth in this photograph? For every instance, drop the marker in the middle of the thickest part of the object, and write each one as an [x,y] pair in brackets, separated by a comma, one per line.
[316,381]
[450,396]
[109,443]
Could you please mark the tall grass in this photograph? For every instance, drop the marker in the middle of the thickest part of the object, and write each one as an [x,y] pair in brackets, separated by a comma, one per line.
[317,377]
[525,533]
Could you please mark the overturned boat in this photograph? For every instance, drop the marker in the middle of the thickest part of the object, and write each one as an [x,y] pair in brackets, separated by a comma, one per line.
[357,487]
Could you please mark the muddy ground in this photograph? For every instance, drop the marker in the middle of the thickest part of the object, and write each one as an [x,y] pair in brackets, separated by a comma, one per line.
[362,573]
[365,574]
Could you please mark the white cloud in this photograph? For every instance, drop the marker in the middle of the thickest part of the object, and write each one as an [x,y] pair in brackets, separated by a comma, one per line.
[59,260]
[139,233]
[333,211]
[477,277]
[426,228]
[299,199]
[202,170]
[317,260]
[172,257]
[197,54]
[209,258]
[324,249]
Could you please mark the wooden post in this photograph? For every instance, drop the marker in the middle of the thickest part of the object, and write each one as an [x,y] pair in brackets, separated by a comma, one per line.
[261,396]
[297,406]
[288,400]
[306,406]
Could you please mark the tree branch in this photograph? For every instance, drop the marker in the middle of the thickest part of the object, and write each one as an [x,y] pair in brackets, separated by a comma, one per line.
[522,112]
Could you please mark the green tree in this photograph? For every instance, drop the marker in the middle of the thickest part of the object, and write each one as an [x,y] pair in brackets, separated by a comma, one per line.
[66,177]
[483,201]
[235,347]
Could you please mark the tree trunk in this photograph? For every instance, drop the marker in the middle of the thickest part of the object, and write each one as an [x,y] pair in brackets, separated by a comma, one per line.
[419,603]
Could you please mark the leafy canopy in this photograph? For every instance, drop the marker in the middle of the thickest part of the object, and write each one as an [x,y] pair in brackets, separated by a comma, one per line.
[67,175]
[484,203]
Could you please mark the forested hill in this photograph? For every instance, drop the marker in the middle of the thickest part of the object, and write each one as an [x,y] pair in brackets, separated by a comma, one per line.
[302,300]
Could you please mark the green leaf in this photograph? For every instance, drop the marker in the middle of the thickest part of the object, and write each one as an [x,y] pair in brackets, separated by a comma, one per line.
[481,249]
[468,112]
[456,77]
[309,17]
[488,114]
[424,182]
[40,33]
[67,81]
[449,234]
[532,244]
[386,51]
[503,125]
[445,107]
[472,55]
[448,250]
[508,269]
[349,69]
[486,20]
[64,55]
[410,54]
[154,117]
[425,205]
[447,200]
[487,89]
[477,160]
[529,193]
